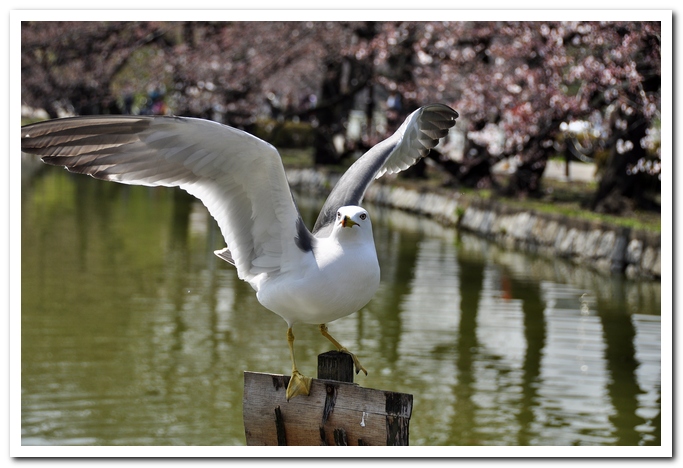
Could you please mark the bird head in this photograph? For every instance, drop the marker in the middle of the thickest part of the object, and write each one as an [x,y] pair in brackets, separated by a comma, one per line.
[351,219]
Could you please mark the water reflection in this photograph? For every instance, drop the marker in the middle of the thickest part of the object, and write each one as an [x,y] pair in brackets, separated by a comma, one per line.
[133,333]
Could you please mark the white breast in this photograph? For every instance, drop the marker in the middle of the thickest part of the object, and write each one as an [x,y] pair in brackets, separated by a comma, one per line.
[333,282]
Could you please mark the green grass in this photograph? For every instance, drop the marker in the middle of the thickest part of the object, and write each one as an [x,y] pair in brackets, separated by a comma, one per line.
[639,220]
[567,199]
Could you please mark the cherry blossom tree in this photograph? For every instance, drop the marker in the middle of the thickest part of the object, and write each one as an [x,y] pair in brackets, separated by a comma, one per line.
[70,66]
[524,82]
[516,85]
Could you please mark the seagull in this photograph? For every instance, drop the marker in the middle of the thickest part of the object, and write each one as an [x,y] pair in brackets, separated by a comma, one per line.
[311,277]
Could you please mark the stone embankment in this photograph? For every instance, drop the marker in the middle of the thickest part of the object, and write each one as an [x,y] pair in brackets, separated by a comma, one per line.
[606,248]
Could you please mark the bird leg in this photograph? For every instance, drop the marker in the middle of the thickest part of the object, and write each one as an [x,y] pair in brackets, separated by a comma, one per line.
[298,384]
[356,362]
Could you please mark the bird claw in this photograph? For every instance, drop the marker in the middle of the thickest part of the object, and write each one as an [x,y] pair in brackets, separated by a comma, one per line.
[341,349]
[356,362]
[298,385]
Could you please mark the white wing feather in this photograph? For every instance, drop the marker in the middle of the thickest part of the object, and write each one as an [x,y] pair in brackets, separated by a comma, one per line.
[239,177]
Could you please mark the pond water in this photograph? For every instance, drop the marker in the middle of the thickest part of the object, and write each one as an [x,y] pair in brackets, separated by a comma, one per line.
[134,333]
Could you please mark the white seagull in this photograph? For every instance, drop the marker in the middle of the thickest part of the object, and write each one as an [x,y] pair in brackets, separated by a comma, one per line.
[303,276]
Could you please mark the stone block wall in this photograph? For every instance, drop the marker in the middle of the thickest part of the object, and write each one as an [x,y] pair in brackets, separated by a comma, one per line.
[608,249]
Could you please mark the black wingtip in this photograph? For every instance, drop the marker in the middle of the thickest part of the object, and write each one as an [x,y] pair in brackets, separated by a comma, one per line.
[304,239]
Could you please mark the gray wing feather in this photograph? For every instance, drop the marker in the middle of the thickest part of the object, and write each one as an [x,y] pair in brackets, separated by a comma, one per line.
[420,132]
[237,176]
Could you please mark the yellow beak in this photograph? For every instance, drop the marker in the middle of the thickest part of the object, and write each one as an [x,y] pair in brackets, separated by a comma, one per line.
[348,222]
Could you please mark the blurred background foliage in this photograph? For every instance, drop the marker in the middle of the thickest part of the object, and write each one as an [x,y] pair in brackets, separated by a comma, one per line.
[526,91]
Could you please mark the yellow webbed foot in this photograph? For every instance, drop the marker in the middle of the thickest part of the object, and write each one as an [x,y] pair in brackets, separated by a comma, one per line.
[298,385]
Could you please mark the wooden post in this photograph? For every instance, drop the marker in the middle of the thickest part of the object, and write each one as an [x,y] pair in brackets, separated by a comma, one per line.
[335,413]
[335,365]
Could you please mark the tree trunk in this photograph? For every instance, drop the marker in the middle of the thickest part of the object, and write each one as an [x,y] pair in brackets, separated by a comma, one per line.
[619,192]
[473,171]
[328,116]
[526,180]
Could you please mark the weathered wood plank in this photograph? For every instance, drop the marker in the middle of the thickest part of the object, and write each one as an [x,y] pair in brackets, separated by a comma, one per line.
[335,365]
[334,413]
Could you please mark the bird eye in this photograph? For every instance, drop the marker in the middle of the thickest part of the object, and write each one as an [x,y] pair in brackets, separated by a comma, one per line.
[338,215]
[363,216]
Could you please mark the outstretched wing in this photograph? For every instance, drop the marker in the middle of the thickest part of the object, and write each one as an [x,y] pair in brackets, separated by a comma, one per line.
[237,176]
[420,132]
